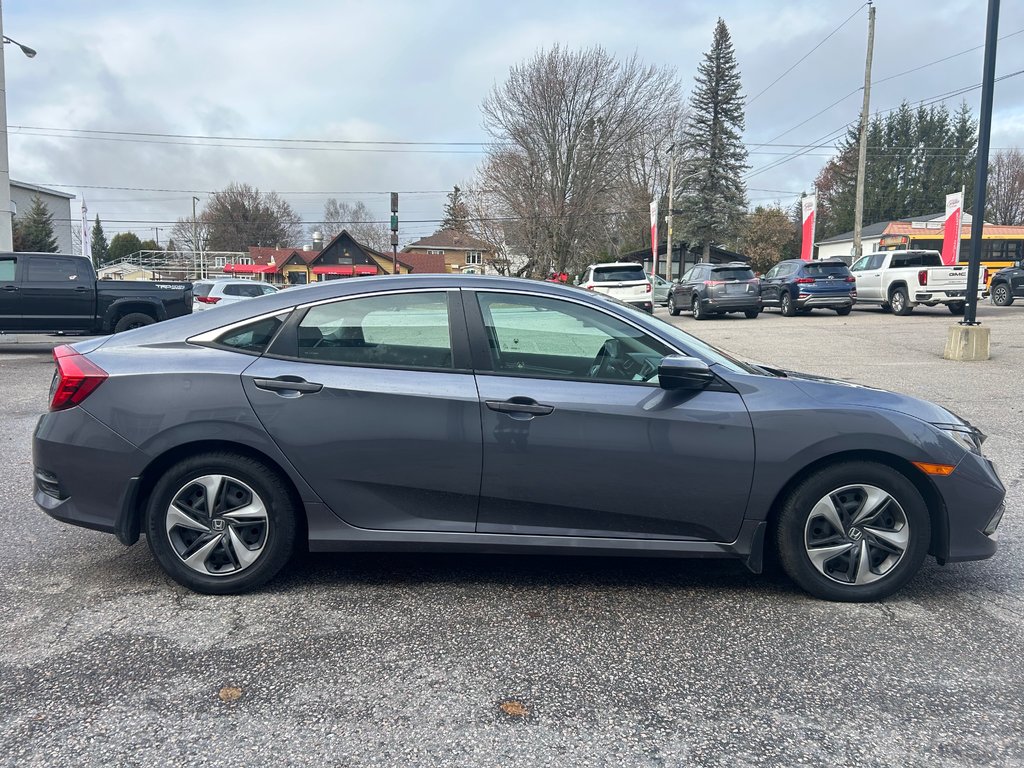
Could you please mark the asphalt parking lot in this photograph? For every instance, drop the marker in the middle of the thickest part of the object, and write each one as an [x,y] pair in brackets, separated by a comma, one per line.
[407,659]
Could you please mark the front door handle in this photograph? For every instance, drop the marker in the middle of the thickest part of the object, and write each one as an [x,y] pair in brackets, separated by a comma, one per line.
[519,405]
[10,287]
[81,289]
[283,384]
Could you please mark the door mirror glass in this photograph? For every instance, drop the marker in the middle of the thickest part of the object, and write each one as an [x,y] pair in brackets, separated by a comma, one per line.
[680,372]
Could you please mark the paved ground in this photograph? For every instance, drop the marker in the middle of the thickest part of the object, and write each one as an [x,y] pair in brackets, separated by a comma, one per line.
[405,660]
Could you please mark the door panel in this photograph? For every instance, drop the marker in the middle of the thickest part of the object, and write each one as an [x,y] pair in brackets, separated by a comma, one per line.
[58,293]
[614,460]
[10,294]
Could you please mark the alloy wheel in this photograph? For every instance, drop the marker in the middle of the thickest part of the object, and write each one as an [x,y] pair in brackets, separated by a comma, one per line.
[1001,295]
[857,534]
[897,302]
[217,525]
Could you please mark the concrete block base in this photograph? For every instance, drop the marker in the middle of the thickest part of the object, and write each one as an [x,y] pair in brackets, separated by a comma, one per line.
[968,342]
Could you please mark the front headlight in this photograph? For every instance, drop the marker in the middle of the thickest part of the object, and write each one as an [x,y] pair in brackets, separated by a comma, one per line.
[971,438]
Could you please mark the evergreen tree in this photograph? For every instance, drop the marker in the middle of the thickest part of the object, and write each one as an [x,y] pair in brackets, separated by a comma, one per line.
[124,244]
[100,247]
[149,245]
[714,210]
[456,212]
[34,232]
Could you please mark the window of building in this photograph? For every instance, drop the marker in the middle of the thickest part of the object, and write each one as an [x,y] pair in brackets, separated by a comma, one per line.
[474,257]
[220,261]
[435,251]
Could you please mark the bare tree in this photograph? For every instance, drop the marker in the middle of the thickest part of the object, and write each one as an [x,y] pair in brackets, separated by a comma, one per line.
[239,216]
[358,220]
[1005,193]
[566,126]
[190,236]
[483,214]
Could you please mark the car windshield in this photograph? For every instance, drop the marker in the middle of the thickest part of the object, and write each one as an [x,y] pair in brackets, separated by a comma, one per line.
[202,289]
[825,270]
[732,273]
[619,274]
[713,355]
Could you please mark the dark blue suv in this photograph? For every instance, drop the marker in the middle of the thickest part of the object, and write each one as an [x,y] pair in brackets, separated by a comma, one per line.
[800,286]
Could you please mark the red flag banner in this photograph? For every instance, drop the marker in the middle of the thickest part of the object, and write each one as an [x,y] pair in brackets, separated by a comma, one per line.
[809,206]
[951,230]
[654,237]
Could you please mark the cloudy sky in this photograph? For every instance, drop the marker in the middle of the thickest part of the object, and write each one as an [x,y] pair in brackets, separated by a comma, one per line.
[417,71]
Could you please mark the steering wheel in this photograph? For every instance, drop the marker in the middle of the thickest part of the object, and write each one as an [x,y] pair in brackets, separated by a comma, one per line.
[605,363]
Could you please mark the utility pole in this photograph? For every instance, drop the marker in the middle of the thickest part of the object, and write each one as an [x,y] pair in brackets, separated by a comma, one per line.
[157,231]
[858,216]
[195,235]
[671,205]
[394,233]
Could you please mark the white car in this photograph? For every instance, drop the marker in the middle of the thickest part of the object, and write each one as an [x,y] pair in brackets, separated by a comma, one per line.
[207,294]
[625,281]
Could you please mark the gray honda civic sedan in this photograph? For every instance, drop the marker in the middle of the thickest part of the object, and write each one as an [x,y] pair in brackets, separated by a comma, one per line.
[486,414]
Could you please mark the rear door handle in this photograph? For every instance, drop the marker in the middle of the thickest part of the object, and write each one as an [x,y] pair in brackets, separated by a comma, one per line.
[287,385]
[511,406]
[81,289]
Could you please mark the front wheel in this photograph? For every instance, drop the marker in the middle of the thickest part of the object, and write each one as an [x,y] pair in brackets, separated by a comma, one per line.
[900,302]
[853,532]
[221,523]
[1002,296]
[672,308]
[132,320]
[956,307]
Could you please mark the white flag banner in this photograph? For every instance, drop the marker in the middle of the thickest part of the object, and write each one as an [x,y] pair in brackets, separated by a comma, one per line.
[86,234]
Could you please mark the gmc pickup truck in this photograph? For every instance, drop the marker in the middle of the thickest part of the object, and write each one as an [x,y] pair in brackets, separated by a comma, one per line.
[902,280]
[48,292]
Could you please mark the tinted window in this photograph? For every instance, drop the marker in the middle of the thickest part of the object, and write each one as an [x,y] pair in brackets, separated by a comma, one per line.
[253,337]
[732,273]
[267,289]
[44,269]
[916,259]
[248,290]
[549,338]
[825,269]
[619,274]
[7,268]
[202,289]
[403,330]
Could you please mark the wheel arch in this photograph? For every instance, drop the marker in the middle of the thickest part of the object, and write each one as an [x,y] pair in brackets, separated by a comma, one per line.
[130,525]
[897,284]
[123,307]
[939,544]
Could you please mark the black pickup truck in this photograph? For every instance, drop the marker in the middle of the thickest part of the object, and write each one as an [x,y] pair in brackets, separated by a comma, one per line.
[48,292]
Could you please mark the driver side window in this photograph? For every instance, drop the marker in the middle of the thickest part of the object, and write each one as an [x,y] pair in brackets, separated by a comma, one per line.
[541,337]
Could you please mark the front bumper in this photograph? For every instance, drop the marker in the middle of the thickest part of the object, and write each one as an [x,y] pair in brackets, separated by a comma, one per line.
[974,499]
[84,472]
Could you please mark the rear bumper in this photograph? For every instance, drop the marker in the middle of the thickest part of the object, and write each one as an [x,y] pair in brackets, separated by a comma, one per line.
[974,499]
[827,302]
[646,306]
[732,303]
[941,297]
[84,472]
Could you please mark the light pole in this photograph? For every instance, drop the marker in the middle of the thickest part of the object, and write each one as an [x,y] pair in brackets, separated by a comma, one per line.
[6,219]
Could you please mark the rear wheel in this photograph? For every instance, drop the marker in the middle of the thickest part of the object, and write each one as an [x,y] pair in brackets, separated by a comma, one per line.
[900,302]
[221,523]
[672,308]
[132,320]
[786,305]
[853,532]
[751,314]
[956,307]
[698,310]
[844,311]
[1002,296]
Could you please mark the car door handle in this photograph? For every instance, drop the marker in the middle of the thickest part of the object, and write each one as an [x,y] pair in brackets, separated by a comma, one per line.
[10,287]
[81,289]
[283,384]
[524,406]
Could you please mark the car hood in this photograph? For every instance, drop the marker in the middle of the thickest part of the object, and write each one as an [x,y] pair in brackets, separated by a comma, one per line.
[838,392]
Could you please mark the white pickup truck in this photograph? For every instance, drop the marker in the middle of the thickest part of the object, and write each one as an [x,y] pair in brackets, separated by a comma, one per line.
[901,280]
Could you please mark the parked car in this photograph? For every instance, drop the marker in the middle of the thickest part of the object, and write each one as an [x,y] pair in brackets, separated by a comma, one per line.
[427,412]
[796,285]
[716,289]
[49,292]
[901,280]
[1007,284]
[626,281]
[661,288]
[219,293]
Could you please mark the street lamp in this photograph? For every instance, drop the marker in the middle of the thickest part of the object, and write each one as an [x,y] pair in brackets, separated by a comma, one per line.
[6,215]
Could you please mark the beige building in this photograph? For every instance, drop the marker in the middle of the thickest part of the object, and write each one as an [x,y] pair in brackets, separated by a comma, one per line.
[462,252]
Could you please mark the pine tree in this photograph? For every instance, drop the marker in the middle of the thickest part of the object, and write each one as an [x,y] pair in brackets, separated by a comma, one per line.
[713,142]
[100,247]
[35,231]
[456,212]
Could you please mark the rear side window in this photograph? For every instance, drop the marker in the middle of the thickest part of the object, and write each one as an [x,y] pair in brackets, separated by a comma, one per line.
[55,270]
[732,273]
[249,291]
[7,270]
[619,274]
[254,337]
[202,289]
[825,270]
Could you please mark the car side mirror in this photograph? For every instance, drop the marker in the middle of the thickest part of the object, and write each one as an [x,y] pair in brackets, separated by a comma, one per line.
[680,372]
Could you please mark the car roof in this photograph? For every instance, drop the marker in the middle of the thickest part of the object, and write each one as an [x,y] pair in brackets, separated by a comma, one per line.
[619,264]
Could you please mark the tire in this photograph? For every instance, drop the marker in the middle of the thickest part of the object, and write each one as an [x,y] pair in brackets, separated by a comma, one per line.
[237,553]
[786,305]
[698,310]
[672,308]
[1002,296]
[751,314]
[900,302]
[956,307]
[844,311]
[132,320]
[818,518]
[886,308]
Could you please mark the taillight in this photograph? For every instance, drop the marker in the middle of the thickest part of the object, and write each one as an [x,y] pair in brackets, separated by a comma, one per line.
[851,279]
[712,283]
[922,277]
[76,378]
[207,299]
[590,287]
[649,289]
[804,280]
[984,277]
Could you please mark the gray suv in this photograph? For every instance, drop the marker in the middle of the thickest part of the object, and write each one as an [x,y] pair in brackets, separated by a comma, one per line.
[716,289]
